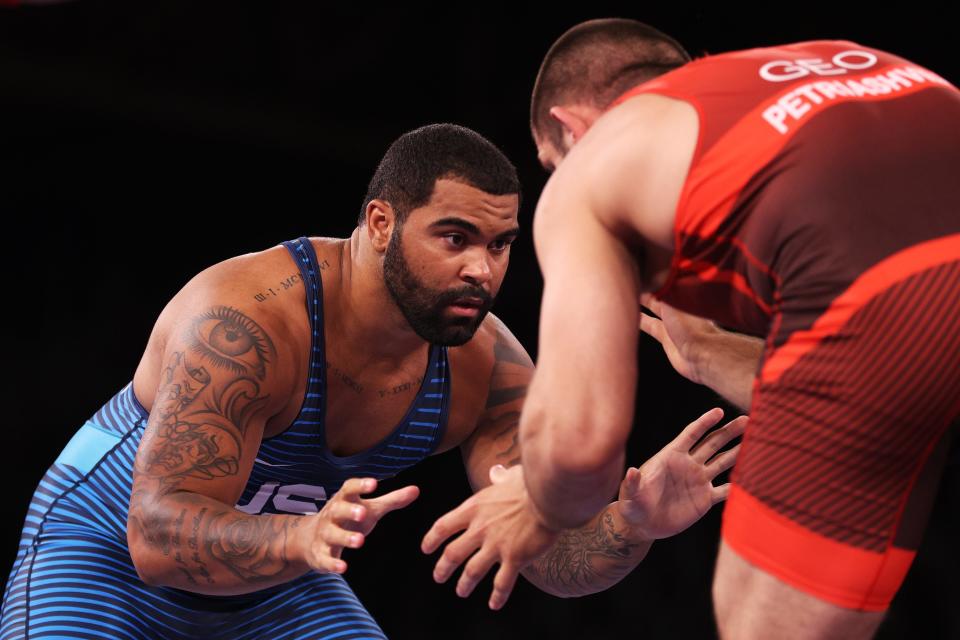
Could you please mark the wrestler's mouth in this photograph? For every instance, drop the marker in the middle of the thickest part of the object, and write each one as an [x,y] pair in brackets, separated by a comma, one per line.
[466,306]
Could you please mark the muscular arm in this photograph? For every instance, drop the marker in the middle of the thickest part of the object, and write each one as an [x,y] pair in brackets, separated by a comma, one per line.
[608,208]
[197,451]
[584,560]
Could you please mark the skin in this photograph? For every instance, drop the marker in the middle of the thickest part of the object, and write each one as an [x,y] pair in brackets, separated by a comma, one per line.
[226,366]
[613,194]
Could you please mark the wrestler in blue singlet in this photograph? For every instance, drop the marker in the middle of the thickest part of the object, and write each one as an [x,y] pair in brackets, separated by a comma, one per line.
[73,576]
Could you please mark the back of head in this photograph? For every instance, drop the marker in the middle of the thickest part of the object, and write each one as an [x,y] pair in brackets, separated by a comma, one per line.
[594,63]
[411,166]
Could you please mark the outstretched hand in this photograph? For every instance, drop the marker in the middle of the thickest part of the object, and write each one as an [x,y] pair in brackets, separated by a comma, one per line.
[674,488]
[499,526]
[345,521]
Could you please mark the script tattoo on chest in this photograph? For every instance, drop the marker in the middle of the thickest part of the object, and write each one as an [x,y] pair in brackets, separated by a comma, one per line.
[345,378]
[400,388]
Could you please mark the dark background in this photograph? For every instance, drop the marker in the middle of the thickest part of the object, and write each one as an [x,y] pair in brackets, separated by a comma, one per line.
[146,141]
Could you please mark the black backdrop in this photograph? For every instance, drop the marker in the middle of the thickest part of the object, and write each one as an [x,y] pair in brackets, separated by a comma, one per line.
[146,141]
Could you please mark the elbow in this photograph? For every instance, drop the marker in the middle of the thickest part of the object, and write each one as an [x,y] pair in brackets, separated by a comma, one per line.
[143,564]
[573,447]
[581,457]
[145,560]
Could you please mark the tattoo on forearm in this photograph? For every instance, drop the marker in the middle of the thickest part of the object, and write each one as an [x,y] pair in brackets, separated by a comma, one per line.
[583,557]
[254,548]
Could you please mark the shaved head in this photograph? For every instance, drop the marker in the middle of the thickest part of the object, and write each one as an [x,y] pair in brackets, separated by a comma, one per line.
[594,63]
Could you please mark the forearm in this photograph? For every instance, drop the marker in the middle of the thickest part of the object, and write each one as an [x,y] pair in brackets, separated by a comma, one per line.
[568,484]
[192,542]
[727,363]
[591,558]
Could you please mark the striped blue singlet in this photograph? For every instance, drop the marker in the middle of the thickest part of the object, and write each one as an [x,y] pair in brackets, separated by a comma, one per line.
[73,576]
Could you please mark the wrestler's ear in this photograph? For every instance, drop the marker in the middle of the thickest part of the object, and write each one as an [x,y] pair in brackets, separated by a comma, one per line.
[573,123]
[381,219]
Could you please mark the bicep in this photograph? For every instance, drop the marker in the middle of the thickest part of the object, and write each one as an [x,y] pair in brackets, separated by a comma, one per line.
[211,405]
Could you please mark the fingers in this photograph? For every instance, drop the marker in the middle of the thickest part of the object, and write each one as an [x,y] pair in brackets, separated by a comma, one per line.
[503,584]
[453,556]
[653,327]
[328,563]
[474,571]
[343,512]
[451,523]
[650,302]
[353,488]
[382,505]
[719,494]
[719,439]
[722,462]
[695,430]
[335,536]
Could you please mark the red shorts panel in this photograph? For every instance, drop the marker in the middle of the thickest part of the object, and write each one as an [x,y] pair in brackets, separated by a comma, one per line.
[850,425]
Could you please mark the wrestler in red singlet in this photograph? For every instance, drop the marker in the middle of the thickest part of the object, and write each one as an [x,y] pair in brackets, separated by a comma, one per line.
[822,210]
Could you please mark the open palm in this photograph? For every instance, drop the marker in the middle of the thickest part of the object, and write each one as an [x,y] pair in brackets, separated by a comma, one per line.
[674,488]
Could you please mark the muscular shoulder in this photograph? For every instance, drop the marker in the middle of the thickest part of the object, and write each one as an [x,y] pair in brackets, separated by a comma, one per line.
[493,342]
[253,303]
[634,160]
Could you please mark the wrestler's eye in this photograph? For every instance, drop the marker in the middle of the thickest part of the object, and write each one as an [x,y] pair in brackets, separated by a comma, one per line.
[500,244]
[455,240]
[227,339]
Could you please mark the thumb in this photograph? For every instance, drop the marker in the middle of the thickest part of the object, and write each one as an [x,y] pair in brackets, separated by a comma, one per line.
[497,473]
[630,484]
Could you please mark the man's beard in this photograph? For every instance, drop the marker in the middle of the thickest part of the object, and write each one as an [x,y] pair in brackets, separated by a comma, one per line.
[424,307]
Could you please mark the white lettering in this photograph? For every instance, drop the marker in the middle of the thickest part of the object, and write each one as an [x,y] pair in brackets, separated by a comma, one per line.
[775,115]
[858,89]
[784,70]
[258,501]
[876,85]
[284,501]
[781,71]
[848,60]
[895,80]
[797,103]
[794,106]
[819,67]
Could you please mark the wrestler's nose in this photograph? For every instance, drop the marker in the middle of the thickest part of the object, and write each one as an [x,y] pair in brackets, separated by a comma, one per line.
[476,270]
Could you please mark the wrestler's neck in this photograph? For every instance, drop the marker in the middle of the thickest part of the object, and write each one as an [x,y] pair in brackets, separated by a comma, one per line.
[366,319]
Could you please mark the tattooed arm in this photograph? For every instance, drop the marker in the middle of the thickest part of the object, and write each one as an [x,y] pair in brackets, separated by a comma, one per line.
[586,560]
[667,494]
[217,389]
